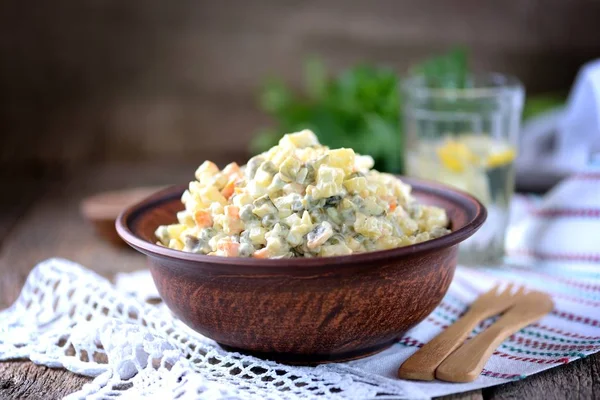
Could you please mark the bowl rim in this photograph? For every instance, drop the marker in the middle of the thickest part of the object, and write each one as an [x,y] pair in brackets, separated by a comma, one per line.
[419,185]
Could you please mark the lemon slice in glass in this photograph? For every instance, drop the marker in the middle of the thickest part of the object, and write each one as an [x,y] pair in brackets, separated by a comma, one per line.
[456,156]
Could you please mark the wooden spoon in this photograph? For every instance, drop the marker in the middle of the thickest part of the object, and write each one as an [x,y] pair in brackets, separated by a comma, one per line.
[422,364]
[102,209]
[466,363]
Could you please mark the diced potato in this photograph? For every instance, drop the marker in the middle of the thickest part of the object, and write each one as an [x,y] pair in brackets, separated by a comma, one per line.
[210,195]
[289,168]
[206,170]
[329,182]
[305,138]
[306,220]
[342,158]
[353,244]
[292,220]
[242,199]
[363,163]
[278,157]
[284,203]
[175,230]
[255,190]
[263,177]
[339,249]
[436,217]
[276,247]
[276,185]
[185,218]
[408,226]
[176,244]
[231,169]
[186,196]
[162,233]
[355,185]
[327,174]
[388,242]
[257,235]
[367,226]
[372,207]
[264,209]
[299,229]
[218,181]
[216,208]
[293,188]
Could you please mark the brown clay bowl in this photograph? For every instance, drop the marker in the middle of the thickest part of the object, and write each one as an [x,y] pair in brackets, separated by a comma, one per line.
[304,311]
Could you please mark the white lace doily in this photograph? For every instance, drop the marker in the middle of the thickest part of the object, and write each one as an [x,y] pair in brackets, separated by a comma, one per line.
[70,317]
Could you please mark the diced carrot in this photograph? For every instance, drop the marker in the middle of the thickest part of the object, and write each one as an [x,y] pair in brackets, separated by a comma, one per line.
[232,211]
[203,218]
[231,169]
[228,189]
[262,253]
[392,201]
[393,205]
[231,249]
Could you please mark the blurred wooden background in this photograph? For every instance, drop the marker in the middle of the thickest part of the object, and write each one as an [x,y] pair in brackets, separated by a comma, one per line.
[87,81]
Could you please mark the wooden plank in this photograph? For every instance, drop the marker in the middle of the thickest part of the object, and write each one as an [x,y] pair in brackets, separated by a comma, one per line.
[577,380]
[25,380]
[472,395]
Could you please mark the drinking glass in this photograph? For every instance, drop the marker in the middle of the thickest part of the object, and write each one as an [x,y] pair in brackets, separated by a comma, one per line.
[466,136]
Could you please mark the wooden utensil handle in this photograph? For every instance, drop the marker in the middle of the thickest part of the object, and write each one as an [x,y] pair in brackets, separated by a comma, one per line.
[466,363]
[422,364]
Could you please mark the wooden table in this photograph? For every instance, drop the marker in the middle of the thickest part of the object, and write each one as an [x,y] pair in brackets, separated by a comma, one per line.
[39,218]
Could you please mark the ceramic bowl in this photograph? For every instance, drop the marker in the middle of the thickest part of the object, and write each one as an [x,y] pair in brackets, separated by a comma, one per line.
[304,311]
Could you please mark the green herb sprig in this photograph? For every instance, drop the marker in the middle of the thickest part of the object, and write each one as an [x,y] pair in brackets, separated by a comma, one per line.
[360,108]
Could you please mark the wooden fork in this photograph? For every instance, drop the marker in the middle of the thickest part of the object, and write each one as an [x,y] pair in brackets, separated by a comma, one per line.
[422,364]
[466,363]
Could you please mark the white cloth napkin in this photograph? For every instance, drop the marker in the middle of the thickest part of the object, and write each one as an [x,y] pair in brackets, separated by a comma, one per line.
[69,317]
[565,140]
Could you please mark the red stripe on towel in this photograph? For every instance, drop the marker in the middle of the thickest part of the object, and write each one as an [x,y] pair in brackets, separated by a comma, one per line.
[565,212]
[592,176]
[544,256]
[570,282]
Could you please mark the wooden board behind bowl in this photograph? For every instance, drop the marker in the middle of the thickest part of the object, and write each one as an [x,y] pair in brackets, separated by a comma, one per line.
[102,209]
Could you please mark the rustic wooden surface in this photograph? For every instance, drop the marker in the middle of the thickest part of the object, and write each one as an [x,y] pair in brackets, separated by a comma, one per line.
[41,220]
